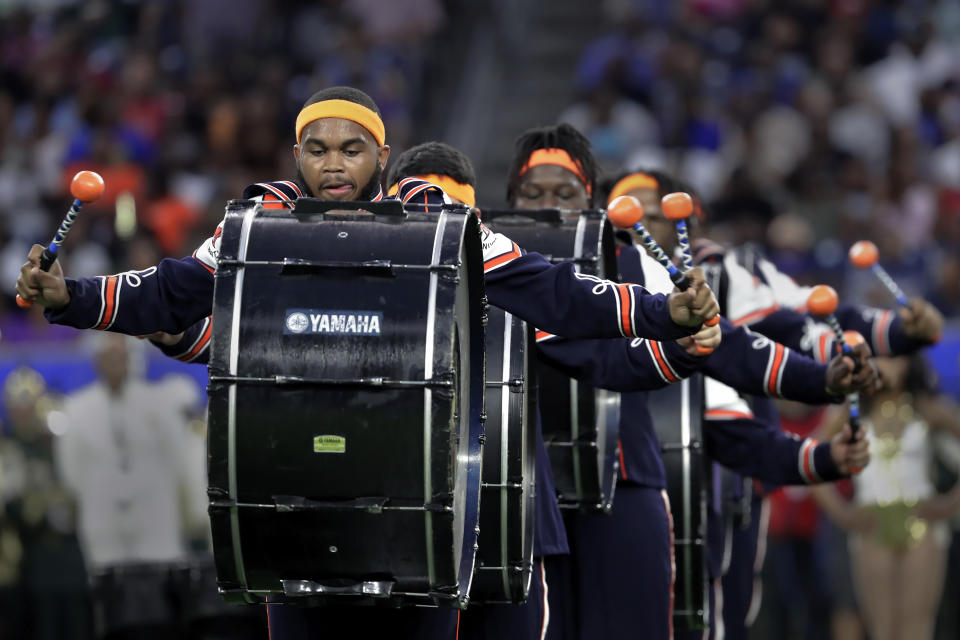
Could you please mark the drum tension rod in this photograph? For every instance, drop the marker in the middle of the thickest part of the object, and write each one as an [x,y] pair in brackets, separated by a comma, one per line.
[673,446]
[433,383]
[572,444]
[297,266]
[295,504]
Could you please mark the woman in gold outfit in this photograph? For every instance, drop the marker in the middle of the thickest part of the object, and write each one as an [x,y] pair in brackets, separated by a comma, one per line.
[897,520]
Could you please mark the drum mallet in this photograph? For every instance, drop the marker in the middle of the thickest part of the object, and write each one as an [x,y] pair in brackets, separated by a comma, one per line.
[626,212]
[677,207]
[864,254]
[85,187]
[822,302]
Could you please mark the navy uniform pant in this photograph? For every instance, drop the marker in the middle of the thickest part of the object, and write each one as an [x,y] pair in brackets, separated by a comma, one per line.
[290,622]
[546,615]
[737,593]
[624,567]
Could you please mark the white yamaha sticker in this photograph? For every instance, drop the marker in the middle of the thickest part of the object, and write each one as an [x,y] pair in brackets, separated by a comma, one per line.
[342,323]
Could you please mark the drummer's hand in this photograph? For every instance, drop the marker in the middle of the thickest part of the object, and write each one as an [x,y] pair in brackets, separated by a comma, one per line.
[46,288]
[703,342]
[850,457]
[841,378]
[692,307]
[921,321]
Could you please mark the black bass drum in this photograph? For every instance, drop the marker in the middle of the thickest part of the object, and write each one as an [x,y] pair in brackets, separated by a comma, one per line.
[677,412]
[346,393]
[505,556]
[581,424]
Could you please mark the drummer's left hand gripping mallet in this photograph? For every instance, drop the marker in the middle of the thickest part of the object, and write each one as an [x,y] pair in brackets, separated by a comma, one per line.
[822,302]
[626,212]
[86,186]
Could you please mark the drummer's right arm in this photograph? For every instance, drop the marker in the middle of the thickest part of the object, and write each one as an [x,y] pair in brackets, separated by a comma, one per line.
[754,364]
[617,365]
[171,296]
[557,299]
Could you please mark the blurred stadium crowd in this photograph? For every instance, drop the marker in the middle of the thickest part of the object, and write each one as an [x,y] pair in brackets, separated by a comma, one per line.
[805,124]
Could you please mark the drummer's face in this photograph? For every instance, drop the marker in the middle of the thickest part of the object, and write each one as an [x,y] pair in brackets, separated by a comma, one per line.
[337,158]
[662,229]
[549,186]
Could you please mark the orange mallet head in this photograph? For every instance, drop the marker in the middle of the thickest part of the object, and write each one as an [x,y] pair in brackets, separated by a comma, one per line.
[86,186]
[864,254]
[853,338]
[823,300]
[624,212]
[677,206]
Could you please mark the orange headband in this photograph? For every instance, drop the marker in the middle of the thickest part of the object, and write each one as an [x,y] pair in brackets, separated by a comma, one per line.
[631,182]
[346,110]
[557,157]
[462,192]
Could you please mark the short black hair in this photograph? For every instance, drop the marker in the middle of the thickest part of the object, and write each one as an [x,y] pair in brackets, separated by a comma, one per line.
[433,157]
[349,94]
[560,136]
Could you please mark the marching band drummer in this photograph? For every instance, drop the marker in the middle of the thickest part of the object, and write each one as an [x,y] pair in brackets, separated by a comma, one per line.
[544,615]
[340,154]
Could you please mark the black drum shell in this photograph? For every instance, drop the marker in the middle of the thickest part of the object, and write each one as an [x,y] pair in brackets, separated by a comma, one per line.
[507,513]
[677,412]
[338,522]
[580,423]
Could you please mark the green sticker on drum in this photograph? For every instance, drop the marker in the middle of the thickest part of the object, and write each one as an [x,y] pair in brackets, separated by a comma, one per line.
[329,444]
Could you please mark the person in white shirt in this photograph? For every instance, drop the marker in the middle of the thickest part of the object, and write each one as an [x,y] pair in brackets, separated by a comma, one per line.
[123,454]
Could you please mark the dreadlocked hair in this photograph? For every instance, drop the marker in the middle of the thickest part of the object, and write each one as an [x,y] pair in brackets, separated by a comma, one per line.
[561,136]
[349,94]
[433,158]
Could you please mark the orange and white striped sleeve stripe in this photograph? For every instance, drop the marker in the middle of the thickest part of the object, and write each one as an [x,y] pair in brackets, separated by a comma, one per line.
[881,332]
[200,344]
[659,358]
[776,364]
[109,301]
[805,462]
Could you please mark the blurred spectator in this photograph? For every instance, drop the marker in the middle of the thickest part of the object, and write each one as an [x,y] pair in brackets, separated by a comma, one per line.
[615,126]
[897,520]
[40,518]
[124,453]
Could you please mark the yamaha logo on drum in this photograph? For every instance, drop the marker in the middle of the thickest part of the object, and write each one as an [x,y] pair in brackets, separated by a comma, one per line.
[340,323]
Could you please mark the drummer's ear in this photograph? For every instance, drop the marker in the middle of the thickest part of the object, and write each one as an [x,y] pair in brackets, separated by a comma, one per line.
[383,154]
